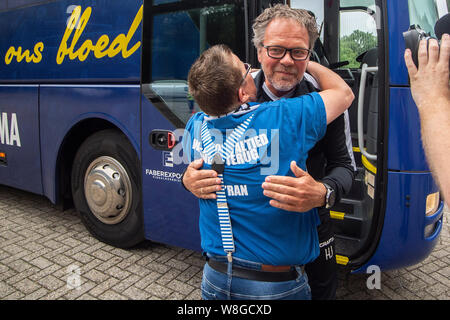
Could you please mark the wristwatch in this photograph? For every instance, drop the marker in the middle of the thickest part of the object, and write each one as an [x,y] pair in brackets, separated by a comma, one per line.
[330,197]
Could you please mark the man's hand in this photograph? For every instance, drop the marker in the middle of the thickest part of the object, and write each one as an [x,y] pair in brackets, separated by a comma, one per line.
[431,92]
[202,183]
[298,194]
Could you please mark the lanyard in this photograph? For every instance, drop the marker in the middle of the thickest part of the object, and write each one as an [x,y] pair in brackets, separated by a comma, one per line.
[218,157]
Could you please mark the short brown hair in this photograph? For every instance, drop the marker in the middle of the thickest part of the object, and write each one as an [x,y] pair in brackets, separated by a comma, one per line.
[282,11]
[214,81]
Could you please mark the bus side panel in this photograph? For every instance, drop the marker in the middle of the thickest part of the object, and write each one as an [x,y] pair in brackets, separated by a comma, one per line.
[19,138]
[170,212]
[405,149]
[62,107]
[398,23]
[37,45]
[403,241]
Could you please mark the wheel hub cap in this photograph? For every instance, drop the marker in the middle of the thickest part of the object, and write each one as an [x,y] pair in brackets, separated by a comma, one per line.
[107,188]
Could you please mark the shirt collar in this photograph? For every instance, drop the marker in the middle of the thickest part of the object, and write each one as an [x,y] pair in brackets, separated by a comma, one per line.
[244,108]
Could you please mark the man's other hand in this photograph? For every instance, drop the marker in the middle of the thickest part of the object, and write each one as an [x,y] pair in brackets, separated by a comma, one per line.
[298,194]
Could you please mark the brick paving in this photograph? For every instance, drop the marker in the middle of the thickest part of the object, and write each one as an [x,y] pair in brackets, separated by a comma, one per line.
[48,254]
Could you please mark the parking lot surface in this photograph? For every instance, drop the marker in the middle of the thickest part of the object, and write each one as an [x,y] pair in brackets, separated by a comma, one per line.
[48,254]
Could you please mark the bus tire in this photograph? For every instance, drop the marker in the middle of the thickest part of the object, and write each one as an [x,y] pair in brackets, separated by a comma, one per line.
[106,189]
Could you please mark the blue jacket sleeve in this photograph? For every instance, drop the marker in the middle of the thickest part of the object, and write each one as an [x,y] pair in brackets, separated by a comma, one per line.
[306,117]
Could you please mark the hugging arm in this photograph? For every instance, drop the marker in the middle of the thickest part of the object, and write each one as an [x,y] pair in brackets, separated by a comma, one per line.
[336,94]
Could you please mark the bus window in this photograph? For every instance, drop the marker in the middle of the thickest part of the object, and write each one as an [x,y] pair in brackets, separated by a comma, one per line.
[157,2]
[17,4]
[179,37]
[317,7]
[424,13]
[358,31]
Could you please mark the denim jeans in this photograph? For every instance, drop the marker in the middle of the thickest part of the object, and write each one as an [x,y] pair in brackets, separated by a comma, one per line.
[215,285]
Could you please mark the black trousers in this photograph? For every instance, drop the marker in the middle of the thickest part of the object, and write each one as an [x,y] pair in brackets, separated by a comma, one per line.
[322,272]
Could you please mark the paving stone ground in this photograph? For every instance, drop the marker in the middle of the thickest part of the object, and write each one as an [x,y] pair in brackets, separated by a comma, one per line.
[48,254]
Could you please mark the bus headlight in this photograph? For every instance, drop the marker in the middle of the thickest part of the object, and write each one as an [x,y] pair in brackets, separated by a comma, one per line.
[432,203]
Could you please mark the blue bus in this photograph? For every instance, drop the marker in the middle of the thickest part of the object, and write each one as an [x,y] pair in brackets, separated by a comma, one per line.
[93,100]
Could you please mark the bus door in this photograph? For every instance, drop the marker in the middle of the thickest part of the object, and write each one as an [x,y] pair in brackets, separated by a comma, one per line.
[175,34]
[349,44]
[20,161]
[357,217]
[391,217]
[411,223]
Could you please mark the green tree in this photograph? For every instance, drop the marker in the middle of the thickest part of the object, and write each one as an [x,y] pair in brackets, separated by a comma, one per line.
[353,45]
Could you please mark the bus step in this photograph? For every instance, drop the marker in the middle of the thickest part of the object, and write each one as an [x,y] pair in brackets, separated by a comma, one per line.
[358,187]
[351,202]
[345,224]
[343,207]
[351,207]
[345,246]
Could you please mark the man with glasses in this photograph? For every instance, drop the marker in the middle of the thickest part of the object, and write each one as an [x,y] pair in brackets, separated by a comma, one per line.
[255,250]
[284,37]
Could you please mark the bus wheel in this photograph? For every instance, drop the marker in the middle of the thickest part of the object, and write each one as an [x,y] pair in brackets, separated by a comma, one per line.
[106,189]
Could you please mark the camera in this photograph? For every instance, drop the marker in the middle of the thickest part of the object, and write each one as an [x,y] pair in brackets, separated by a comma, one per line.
[412,39]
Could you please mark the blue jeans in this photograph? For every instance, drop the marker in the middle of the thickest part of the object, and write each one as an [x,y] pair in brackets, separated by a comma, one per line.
[215,285]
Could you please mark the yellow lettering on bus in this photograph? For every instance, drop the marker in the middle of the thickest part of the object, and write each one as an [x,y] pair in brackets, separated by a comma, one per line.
[102,47]
[102,43]
[136,22]
[10,55]
[38,48]
[36,57]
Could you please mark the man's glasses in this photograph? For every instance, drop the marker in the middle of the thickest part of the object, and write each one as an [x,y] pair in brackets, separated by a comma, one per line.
[248,67]
[297,54]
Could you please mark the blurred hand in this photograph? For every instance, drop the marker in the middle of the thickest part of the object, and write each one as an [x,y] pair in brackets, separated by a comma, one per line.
[298,194]
[430,81]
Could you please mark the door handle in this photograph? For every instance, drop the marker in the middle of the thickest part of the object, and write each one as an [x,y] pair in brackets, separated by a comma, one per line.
[362,88]
[162,140]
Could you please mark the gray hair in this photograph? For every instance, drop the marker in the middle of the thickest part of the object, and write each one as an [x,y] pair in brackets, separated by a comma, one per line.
[282,11]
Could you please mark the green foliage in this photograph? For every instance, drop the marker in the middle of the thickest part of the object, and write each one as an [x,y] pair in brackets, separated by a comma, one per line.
[353,45]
